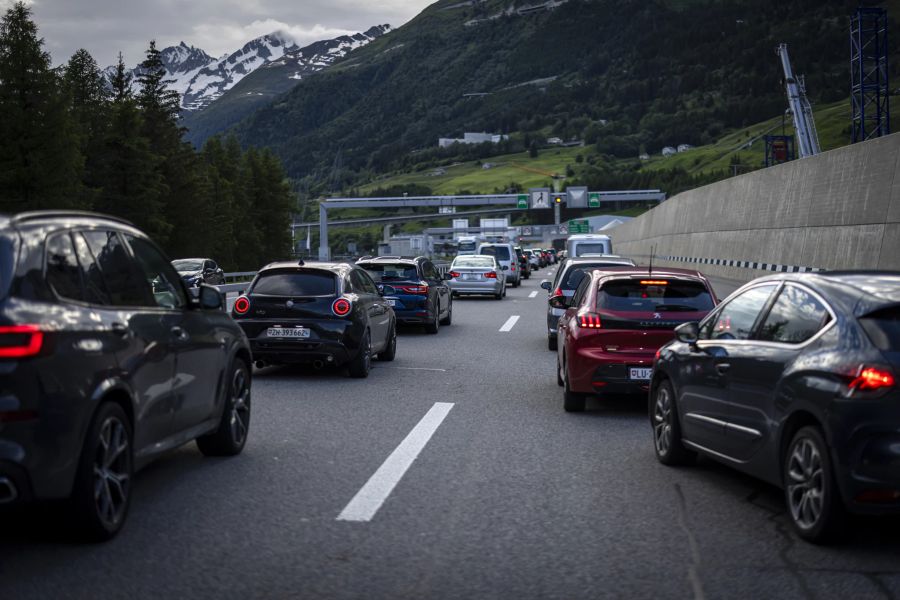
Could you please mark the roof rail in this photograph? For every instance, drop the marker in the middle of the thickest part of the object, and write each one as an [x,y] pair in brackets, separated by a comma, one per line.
[62,214]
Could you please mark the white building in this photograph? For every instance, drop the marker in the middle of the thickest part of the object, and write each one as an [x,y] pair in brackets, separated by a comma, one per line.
[684,147]
[669,151]
[473,138]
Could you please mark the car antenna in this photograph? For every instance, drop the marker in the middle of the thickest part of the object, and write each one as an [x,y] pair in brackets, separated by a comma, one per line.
[650,268]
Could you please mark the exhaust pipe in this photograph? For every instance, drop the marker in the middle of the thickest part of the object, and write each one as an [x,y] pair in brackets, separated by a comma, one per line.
[8,491]
[318,364]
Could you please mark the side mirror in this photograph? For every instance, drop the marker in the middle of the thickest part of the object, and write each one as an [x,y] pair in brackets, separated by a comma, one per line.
[546,285]
[210,298]
[504,268]
[388,290]
[558,302]
[688,333]
[447,277]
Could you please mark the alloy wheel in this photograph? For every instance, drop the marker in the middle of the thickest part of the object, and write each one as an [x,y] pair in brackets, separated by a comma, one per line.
[806,483]
[662,421]
[112,472]
[240,407]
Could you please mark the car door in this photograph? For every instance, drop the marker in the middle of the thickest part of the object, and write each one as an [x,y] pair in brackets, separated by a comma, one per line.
[704,374]
[566,320]
[442,292]
[146,355]
[199,346]
[375,306]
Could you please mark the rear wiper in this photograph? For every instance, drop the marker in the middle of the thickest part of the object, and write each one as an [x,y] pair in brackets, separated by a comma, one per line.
[676,307]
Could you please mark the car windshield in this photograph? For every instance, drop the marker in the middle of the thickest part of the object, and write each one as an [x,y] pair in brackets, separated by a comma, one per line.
[590,248]
[474,261]
[187,265]
[883,328]
[501,252]
[467,246]
[309,283]
[391,272]
[656,295]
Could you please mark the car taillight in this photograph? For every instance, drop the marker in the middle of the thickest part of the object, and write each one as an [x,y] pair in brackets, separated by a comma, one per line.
[871,378]
[558,292]
[454,274]
[415,289]
[589,321]
[242,305]
[20,341]
[341,307]
[512,267]
[490,275]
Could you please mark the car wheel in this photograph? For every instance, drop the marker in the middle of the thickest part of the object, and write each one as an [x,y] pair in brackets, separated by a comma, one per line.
[572,401]
[448,320]
[435,325]
[666,427]
[810,490]
[552,344]
[101,493]
[231,435]
[391,351]
[499,295]
[362,362]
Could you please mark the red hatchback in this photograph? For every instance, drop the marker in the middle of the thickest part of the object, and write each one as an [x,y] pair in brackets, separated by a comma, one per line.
[615,323]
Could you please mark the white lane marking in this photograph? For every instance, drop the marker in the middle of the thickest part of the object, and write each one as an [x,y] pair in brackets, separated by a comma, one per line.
[367,501]
[544,280]
[532,295]
[510,323]
[415,369]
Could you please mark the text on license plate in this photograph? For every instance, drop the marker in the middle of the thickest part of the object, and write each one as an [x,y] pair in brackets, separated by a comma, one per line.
[390,301]
[284,332]
[639,373]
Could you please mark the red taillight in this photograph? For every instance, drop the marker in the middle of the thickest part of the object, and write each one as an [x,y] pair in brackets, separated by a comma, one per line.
[490,275]
[242,305]
[558,292]
[454,274]
[512,267]
[20,341]
[414,289]
[589,321]
[341,307]
[871,378]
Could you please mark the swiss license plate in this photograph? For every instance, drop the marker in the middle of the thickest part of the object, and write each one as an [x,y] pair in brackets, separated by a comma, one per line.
[470,276]
[390,301]
[285,332]
[639,373]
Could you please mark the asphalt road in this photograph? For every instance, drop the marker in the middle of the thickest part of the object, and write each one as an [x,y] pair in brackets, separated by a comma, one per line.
[508,496]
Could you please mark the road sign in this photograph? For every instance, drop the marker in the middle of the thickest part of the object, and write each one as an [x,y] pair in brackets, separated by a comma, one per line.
[576,197]
[540,197]
[594,200]
[522,201]
[446,210]
[563,230]
[579,226]
[526,231]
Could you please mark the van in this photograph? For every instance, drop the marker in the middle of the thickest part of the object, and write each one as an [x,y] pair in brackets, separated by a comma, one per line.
[506,258]
[588,243]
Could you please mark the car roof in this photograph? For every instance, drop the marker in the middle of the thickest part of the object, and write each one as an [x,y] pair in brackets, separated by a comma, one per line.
[628,271]
[178,259]
[599,258]
[337,267]
[879,285]
[393,259]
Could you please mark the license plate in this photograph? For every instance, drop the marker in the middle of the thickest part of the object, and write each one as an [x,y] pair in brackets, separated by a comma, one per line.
[282,332]
[470,277]
[639,374]
[390,301]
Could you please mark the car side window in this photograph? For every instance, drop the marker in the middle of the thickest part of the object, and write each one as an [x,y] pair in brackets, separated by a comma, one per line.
[368,283]
[119,273]
[795,317]
[159,274]
[357,283]
[736,319]
[95,290]
[429,271]
[580,292]
[209,265]
[63,272]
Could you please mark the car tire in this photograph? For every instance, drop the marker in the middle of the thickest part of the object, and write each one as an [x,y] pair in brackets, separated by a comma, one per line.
[559,379]
[359,366]
[448,320]
[230,436]
[391,351]
[106,464]
[552,343]
[499,296]
[572,401]
[666,427]
[435,325]
[811,494]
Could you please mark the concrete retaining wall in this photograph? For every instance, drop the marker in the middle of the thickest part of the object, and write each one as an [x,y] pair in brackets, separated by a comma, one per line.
[837,210]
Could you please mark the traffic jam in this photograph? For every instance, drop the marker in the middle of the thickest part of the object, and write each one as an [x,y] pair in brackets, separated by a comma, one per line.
[790,379]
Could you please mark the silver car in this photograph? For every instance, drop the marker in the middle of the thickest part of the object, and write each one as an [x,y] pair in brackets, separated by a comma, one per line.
[477,275]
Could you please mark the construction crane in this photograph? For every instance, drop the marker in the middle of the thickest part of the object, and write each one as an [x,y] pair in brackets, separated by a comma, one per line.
[804,124]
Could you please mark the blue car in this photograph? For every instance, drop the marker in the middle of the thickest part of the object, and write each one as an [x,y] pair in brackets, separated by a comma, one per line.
[414,287]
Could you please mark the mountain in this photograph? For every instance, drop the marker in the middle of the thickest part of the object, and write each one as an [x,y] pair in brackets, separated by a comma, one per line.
[622,75]
[270,80]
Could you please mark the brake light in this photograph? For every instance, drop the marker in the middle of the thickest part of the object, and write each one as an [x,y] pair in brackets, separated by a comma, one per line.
[490,275]
[871,378]
[242,305]
[454,274]
[341,307]
[415,289]
[558,292]
[654,282]
[512,267]
[589,321]
[20,341]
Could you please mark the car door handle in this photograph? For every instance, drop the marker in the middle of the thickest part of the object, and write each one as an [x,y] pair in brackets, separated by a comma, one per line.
[119,329]
[722,368]
[180,334]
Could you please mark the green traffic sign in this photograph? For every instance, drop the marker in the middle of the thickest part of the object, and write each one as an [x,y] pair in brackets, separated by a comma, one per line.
[579,226]
[522,201]
[594,200]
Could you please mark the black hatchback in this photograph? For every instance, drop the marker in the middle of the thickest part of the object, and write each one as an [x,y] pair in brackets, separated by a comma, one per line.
[793,379]
[106,363]
[320,314]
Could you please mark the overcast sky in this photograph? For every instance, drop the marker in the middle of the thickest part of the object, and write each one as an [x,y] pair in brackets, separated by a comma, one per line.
[106,27]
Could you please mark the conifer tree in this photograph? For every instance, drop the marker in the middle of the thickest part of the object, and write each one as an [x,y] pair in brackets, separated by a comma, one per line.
[88,96]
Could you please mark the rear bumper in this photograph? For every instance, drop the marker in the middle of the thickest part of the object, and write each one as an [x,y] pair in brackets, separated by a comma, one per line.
[297,352]
[479,287]
[414,317]
[593,371]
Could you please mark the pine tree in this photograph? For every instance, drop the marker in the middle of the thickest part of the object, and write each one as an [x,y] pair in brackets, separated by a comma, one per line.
[39,157]
[88,105]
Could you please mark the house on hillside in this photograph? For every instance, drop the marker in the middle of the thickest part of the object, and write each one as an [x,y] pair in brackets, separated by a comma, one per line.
[684,147]
[554,141]
[473,138]
[669,151]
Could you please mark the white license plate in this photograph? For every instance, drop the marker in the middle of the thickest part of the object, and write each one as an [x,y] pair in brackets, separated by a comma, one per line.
[283,332]
[390,301]
[639,374]
[471,276]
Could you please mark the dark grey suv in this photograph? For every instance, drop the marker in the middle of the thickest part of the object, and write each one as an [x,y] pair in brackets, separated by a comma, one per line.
[105,363]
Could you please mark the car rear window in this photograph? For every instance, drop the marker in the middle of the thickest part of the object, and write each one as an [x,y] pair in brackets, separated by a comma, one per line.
[7,263]
[501,252]
[883,328]
[391,272]
[473,261]
[590,248]
[656,295]
[309,283]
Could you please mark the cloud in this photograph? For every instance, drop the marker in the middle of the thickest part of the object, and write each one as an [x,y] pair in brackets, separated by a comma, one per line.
[216,39]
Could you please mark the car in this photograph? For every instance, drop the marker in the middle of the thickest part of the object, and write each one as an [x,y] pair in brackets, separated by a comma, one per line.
[107,363]
[421,294]
[318,314]
[588,243]
[614,324]
[477,275]
[792,379]
[533,261]
[506,257]
[568,276]
[195,271]
[524,265]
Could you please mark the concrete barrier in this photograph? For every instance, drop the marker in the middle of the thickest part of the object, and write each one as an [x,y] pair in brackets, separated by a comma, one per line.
[837,210]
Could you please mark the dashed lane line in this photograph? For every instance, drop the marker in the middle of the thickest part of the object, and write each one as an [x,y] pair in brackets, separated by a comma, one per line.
[510,323]
[533,294]
[363,506]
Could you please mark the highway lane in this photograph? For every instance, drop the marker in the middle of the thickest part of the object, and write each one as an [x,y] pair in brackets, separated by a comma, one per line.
[509,497]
